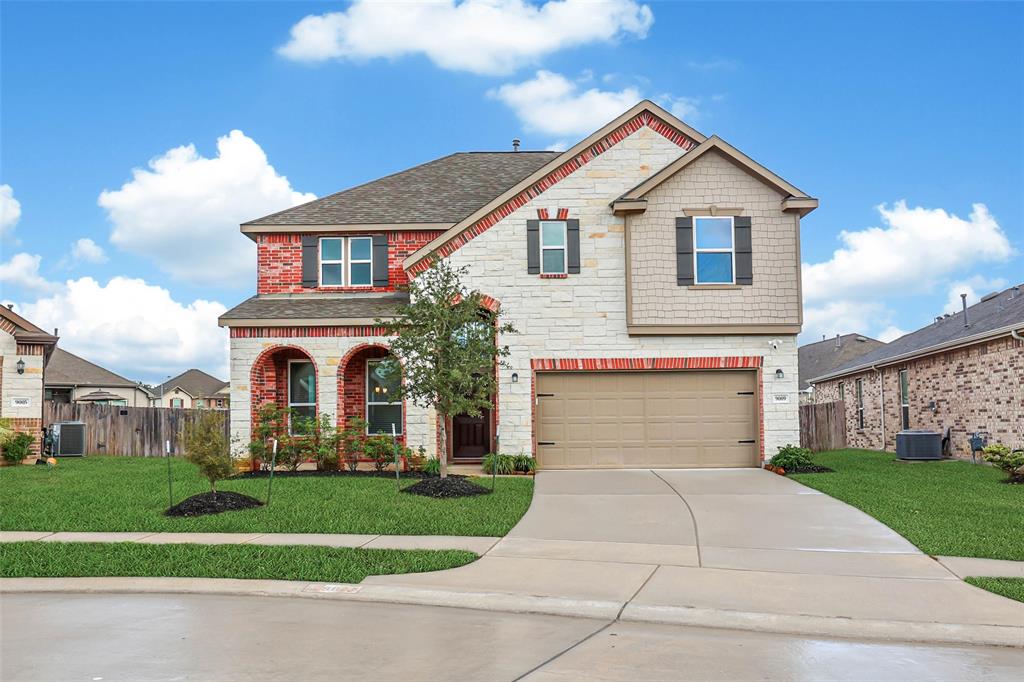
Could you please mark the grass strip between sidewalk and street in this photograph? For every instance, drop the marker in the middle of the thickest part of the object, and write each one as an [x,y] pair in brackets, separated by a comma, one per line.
[1007,587]
[306,563]
[946,508]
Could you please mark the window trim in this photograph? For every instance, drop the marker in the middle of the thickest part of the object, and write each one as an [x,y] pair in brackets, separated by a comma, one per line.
[903,377]
[697,250]
[346,261]
[842,391]
[860,403]
[349,261]
[291,404]
[564,248]
[400,430]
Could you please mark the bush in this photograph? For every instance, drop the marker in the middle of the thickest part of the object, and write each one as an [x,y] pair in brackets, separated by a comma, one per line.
[381,450]
[323,443]
[353,442]
[505,464]
[432,467]
[525,463]
[206,446]
[17,447]
[792,458]
[1010,461]
[417,458]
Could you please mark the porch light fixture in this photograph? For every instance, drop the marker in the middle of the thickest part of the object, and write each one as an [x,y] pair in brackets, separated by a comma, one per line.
[779,374]
[20,366]
[515,377]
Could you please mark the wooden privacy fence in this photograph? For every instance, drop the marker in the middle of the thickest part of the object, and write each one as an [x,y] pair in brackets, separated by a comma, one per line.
[823,426]
[126,431]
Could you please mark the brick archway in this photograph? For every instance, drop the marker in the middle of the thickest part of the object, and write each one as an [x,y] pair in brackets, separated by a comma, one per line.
[268,378]
[352,383]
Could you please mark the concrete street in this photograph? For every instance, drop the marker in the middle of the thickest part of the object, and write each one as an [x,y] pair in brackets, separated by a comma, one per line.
[107,638]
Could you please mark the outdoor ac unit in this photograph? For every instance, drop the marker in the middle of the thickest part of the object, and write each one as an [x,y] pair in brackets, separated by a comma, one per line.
[69,439]
[918,444]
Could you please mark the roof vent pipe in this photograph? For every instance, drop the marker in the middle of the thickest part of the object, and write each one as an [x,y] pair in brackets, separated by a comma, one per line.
[10,306]
[515,144]
[1014,293]
[839,341]
[963,302]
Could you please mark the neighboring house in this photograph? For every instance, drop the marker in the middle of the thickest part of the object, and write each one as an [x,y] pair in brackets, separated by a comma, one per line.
[25,351]
[964,372]
[826,355]
[71,379]
[193,388]
[652,273]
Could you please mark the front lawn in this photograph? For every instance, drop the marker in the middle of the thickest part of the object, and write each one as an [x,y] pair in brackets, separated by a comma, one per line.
[319,564]
[1008,587]
[130,494]
[945,507]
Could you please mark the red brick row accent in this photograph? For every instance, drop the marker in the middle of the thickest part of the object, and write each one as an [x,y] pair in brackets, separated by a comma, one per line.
[555,275]
[552,178]
[30,349]
[597,364]
[490,303]
[563,214]
[302,332]
[542,213]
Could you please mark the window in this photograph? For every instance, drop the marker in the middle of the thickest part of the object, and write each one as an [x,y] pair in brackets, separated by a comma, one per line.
[904,399]
[859,385]
[552,247]
[176,402]
[842,392]
[301,390]
[713,253]
[383,407]
[346,261]
[199,403]
[220,402]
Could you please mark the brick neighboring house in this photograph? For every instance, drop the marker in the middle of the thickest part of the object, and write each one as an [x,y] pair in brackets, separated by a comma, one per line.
[193,388]
[821,357]
[964,372]
[71,379]
[25,351]
[652,272]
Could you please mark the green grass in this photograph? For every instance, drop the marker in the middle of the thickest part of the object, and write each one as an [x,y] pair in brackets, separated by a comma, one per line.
[130,494]
[945,508]
[320,564]
[1007,587]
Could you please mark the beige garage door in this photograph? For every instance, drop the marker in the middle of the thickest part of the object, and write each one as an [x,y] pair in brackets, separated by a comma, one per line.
[647,419]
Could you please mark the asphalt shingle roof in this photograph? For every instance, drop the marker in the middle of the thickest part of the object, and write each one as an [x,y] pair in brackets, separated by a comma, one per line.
[195,382]
[1000,311]
[821,357]
[67,369]
[444,190]
[316,306]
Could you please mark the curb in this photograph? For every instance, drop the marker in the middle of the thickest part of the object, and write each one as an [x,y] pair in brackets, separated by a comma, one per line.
[905,631]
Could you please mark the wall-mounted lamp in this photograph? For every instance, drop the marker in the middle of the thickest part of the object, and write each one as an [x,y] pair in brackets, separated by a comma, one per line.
[20,366]
[779,374]
[515,378]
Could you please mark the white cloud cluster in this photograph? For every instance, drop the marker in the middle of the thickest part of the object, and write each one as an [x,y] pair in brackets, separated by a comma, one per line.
[133,328]
[10,209]
[479,36]
[975,287]
[22,272]
[183,212]
[85,250]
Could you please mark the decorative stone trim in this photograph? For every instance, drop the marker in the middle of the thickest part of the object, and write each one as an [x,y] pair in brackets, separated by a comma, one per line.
[640,364]
[293,332]
[552,178]
[555,275]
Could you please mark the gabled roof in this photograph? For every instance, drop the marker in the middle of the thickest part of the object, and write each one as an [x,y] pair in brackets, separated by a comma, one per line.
[298,310]
[995,315]
[823,356]
[195,382]
[67,369]
[436,194]
[23,330]
[796,199]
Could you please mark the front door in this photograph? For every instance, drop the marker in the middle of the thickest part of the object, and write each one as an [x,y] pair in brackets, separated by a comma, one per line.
[471,436]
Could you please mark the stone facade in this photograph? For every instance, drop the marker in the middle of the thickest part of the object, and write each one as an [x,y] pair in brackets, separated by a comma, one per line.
[21,395]
[978,388]
[712,180]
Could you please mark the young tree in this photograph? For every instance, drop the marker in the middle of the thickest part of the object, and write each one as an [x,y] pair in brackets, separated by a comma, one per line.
[444,347]
[206,446]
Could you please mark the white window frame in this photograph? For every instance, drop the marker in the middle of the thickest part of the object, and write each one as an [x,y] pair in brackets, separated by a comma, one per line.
[345,262]
[350,261]
[367,403]
[316,387]
[859,386]
[903,377]
[731,250]
[564,248]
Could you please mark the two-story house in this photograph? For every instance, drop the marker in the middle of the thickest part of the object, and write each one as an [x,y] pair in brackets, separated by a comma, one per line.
[652,273]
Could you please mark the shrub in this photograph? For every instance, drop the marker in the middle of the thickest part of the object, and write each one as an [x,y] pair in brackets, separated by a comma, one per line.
[206,446]
[323,443]
[417,458]
[432,467]
[380,449]
[505,464]
[1010,461]
[525,463]
[271,423]
[792,458]
[17,447]
[353,441]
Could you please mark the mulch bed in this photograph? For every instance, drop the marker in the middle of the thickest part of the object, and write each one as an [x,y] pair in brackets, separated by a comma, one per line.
[313,473]
[453,486]
[208,503]
[813,469]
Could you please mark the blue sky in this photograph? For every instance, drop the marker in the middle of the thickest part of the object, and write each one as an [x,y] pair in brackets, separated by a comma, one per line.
[861,105]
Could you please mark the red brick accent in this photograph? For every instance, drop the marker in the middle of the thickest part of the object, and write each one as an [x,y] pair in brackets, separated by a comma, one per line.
[30,349]
[552,178]
[352,384]
[294,332]
[268,378]
[279,259]
[490,303]
[542,213]
[563,214]
[33,426]
[555,275]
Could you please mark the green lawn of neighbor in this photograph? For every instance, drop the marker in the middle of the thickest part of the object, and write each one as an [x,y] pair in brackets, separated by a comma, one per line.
[130,494]
[321,564]
[1008,587]
[951,508]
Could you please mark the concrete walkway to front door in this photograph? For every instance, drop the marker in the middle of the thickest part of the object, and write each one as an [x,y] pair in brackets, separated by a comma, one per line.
[740,548]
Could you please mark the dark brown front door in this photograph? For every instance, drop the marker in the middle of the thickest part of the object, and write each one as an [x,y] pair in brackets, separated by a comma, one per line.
[471,436]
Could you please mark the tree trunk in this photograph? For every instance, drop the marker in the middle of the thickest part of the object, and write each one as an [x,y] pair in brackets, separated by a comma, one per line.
[443,452]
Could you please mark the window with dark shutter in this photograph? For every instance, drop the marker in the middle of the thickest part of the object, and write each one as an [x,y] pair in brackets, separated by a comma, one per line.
[684,251]
[533,247]
[572,228]
[744,252]
[380,260]
[310,261]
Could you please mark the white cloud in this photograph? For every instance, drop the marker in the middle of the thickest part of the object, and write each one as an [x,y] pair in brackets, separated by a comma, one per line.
[86,250]
[890,333]
[917,248]
[479,36]
[134,328]
[975,287]
[22,271]
[842,317]
[183,213]
[10,209]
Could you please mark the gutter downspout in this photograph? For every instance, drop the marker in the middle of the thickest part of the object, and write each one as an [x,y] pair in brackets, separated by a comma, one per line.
[881,388]
[1015,334]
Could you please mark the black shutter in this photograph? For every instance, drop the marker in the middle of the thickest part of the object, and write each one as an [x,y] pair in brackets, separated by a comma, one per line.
[380,260]
[310,261]
[533,247]
[744,253]
[572,251]
[684,251]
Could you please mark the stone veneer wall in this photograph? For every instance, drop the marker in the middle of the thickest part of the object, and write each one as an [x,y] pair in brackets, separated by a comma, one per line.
[976,388]
[28,385]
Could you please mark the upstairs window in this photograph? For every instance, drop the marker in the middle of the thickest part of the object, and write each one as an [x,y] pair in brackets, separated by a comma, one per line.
[346,261]
[714,252]
[553,239]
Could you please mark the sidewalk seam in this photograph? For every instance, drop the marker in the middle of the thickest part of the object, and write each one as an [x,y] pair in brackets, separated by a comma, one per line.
[693,517]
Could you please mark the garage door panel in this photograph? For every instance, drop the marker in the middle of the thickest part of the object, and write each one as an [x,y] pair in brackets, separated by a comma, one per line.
[646,419]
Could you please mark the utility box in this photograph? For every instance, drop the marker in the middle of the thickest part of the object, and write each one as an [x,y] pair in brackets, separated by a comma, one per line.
[917,444]
[69,439]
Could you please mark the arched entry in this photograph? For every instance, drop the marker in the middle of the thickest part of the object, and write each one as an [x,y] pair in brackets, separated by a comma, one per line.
[286,376]
[363,392]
